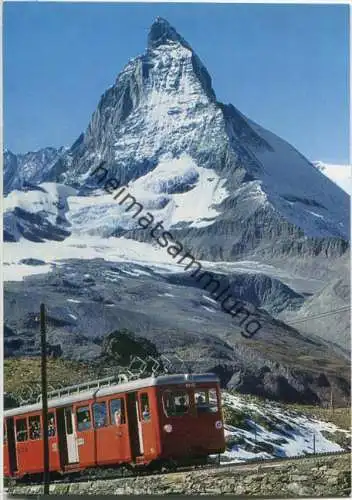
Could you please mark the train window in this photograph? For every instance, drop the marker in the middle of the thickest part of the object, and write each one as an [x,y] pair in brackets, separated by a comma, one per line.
[83,418]
[176,403]
[206,401]
[100,415]
[145,407]
[21,430]
[117,411]
[34,427]
[51,425]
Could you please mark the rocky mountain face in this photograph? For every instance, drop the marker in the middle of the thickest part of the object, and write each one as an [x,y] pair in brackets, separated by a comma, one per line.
[334,297]
[257,213]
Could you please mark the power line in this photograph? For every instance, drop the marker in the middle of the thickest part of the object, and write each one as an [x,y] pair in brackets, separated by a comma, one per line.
[321,315]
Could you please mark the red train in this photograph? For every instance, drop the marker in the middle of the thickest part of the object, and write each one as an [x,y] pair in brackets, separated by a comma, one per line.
[156,420]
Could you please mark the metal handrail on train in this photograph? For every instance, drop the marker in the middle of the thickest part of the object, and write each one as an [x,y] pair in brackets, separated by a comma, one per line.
[129,374]
[94,384]
[136,369]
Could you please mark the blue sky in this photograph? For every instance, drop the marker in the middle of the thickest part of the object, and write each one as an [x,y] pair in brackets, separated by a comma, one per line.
[284,66]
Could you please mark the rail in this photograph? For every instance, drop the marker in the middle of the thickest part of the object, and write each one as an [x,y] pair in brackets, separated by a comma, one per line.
[95,474]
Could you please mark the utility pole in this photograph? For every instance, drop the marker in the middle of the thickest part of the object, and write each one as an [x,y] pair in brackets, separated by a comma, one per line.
[44,401]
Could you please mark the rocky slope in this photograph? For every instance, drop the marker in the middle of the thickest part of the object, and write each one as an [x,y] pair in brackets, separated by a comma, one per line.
[335,296]
[86,300]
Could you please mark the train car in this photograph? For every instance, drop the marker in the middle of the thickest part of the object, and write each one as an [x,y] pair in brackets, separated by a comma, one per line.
[156,420]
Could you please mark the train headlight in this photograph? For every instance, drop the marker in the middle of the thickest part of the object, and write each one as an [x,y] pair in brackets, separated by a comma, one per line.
[168,428]
[218,424]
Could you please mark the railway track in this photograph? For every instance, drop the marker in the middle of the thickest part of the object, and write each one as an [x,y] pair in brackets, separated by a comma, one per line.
[122,472]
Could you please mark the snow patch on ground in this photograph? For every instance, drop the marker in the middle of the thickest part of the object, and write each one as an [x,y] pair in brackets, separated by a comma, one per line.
[110,249]
[209,299]
[208,309]
[270,430]
[49,198]
[14,271]
[152,257]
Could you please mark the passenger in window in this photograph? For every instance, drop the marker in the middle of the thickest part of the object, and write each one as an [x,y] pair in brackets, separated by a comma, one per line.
[21,435]
[200,400]
[182,407]
[100,422]
[85,421]
[202,405]
[37,430]
[118,417]
[31,430]
[146,414]
[34,430]
[51,427]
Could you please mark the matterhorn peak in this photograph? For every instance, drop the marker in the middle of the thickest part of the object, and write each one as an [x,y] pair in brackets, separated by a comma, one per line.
[161,32]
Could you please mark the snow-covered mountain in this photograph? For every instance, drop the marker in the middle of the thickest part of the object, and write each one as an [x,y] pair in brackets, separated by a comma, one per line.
[227,187]
[200,166]
[339,174]
[23,170]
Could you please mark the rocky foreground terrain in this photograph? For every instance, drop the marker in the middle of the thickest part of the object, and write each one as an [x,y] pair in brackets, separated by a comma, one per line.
[314,476]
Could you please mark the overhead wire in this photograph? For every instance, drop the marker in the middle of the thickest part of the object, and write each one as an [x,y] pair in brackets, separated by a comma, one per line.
[321,315]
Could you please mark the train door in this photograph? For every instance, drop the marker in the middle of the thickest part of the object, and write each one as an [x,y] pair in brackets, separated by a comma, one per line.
[147,426]
[134,425]
[71,438]
[11,442]
[67,436]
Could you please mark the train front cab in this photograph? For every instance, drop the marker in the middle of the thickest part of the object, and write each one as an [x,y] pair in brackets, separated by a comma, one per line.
[191,424]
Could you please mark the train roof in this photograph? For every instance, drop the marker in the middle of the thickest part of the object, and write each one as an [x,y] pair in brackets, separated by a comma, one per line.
[116,388]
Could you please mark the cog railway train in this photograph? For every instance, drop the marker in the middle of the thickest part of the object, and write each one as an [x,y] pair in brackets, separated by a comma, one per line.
[157,420]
